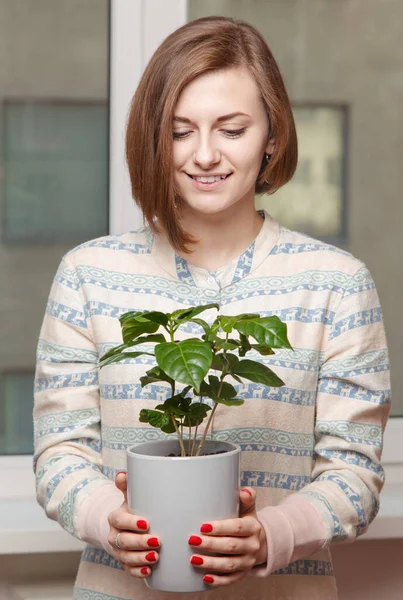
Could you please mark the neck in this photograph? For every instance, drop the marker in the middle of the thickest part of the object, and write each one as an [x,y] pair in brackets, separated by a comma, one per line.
[222,237]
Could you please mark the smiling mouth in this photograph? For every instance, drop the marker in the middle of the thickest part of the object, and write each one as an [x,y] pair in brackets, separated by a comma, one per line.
[209,179]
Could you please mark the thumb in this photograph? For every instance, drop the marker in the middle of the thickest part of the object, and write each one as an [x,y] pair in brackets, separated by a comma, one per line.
[121,483]
[247,497]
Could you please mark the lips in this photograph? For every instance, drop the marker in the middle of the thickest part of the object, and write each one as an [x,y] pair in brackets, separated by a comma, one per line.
[223,176]
[208,186]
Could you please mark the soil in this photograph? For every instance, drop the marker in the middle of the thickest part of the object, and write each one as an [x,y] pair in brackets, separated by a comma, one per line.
[202,454]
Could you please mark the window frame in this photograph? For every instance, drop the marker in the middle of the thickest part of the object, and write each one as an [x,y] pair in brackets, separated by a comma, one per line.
[134,34]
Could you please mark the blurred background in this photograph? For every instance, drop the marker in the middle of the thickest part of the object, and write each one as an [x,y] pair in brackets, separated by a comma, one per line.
[342,62]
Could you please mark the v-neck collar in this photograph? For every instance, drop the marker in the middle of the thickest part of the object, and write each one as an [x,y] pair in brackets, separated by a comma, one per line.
[229,273]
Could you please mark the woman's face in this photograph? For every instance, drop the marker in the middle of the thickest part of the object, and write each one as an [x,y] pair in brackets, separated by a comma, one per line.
[211,138]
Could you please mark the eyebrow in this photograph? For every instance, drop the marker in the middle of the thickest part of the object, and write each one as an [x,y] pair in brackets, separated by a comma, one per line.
[219,119]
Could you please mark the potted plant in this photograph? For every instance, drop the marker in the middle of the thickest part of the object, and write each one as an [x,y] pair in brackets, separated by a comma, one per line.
[186,479]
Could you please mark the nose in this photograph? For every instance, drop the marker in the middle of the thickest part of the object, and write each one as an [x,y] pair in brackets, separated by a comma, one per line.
[206,153]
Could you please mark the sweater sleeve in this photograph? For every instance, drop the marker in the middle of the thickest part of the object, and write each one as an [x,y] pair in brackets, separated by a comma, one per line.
[352,408]
[67,439]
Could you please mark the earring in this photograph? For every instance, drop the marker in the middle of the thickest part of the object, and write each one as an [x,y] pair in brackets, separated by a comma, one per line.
[267,157]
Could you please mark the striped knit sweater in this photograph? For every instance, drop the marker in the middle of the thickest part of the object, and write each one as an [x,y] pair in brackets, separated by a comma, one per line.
[317,440]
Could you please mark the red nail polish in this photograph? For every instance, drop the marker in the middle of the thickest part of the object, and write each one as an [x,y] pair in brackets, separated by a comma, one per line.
[153,542]
[142,524]
[206,528]
[197,560]
[195,540]
[144,571]
[247,491]
[151,556]
[208,579]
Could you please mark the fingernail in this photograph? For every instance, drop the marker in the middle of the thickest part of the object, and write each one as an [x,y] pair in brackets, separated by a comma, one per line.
[151,556]
[153,542]
[197,560]
[142,524]
[195,540]
[206,528]
[121,473]
[247,491]
[144,571]
[208,579]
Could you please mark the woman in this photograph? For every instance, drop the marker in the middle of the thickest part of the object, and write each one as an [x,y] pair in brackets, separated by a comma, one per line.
[210,126]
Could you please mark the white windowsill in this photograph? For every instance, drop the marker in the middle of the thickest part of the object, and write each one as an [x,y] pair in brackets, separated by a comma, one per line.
[25,529]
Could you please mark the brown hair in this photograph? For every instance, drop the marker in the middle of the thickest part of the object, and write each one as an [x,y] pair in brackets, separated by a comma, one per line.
[203,45]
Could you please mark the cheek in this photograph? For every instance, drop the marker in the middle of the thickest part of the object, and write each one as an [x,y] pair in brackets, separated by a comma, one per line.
[179,154]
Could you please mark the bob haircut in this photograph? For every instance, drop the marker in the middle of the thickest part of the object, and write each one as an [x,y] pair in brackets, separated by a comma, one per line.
[200,46]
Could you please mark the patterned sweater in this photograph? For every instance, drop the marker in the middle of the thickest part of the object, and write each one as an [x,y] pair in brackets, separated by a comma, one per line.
[318,439]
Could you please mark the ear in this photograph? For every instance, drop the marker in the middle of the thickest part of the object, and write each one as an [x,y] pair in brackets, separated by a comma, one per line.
[271,144]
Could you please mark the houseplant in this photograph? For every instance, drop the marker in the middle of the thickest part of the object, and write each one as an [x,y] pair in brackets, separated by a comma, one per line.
[203,474]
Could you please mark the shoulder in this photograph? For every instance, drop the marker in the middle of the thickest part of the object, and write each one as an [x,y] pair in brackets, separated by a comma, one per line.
[312,254]
[103,250]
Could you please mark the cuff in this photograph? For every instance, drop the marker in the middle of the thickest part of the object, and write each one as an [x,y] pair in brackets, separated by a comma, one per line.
[92,519]
[294,530]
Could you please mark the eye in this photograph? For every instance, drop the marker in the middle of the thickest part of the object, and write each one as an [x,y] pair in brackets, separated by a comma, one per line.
[179,135]
[231,133]
[234,133]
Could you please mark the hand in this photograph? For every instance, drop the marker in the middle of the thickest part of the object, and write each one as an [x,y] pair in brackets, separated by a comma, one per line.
[242,542]
[139,549]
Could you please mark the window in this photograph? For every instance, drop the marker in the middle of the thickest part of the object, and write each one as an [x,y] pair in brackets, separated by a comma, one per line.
[314,201]
[54,145]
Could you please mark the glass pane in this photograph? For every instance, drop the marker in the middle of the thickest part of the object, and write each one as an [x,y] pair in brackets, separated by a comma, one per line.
[313,200]
[16,427]
[347,189]
[55,150]
[53,172]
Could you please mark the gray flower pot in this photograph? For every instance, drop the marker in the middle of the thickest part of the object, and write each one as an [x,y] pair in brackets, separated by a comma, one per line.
[177,495]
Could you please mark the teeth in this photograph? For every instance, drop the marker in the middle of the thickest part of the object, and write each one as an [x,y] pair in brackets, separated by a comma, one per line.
[210,179]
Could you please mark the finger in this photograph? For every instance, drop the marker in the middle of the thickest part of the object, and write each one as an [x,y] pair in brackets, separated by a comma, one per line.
[122,519]
[140,572]
[222,580]
[137,559]
[242,527]
[132,541]
[121,483]
[225,545]
[247,498]
[222,564]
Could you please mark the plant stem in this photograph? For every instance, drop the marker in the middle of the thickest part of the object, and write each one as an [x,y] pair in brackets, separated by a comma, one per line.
[183,451]
[194,441]
[206,430]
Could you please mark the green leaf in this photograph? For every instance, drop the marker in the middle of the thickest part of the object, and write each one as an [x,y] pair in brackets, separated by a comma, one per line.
[156,338]
[132,329]
[157,419]
[227,390]
[113,352]
[155,374]
[202,323]
[263,350]
[245,345]
[154,315]
[120,357]
[258,373]
[268,331]
[197,414]
[230,401]
[227,361]
[229,322]
[187,361]
[225,345]
[177,405]
[186,314]
[157,317]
